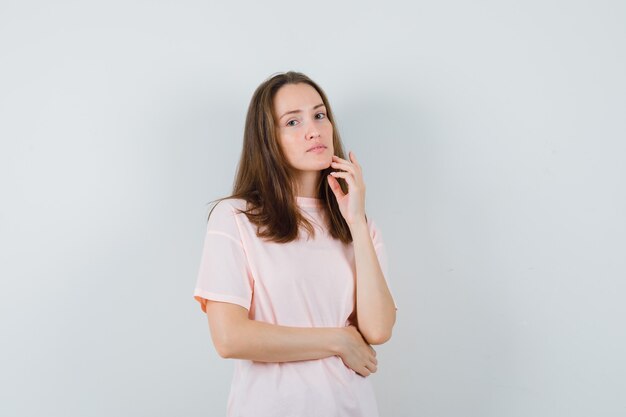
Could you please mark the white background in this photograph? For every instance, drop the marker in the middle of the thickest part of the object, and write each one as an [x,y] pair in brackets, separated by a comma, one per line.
[492,137]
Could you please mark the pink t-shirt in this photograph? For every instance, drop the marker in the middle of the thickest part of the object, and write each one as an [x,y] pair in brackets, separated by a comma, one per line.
[302,284]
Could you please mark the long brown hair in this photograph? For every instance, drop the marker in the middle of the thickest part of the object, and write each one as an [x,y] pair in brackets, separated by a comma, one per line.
[264,178]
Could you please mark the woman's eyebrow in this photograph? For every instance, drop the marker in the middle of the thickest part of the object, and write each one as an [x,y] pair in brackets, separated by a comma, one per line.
[298,111]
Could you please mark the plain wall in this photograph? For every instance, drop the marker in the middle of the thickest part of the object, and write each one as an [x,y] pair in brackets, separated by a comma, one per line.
[492,140]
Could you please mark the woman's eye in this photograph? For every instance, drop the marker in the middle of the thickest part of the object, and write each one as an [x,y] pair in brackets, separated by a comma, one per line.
[293,120]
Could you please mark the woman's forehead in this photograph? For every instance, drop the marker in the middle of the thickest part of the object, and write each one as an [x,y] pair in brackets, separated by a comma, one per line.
[296,97]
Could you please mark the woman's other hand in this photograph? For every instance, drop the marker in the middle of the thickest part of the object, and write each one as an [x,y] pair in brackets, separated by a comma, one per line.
[356,353]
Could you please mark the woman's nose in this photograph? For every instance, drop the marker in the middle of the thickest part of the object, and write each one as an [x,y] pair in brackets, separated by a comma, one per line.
[313,133]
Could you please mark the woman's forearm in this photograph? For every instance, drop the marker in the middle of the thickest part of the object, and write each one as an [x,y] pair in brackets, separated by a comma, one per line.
[265,342]
[376,311]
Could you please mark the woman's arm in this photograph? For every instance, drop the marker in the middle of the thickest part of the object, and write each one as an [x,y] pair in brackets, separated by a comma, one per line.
[236,336]
[376,312]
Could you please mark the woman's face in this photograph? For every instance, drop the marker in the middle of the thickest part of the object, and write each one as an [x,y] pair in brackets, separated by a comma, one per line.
[300,118]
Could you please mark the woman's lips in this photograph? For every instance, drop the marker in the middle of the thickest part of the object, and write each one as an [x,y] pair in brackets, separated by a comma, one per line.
[318,149]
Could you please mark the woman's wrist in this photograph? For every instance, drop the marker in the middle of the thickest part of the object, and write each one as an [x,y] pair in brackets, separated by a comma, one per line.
[337,340]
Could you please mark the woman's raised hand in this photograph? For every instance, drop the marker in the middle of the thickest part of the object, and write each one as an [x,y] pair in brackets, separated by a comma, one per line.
[356,353]
[351,204]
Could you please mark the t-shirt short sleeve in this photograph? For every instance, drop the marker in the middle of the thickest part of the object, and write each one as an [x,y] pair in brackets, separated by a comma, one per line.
[224,272]
[381,253]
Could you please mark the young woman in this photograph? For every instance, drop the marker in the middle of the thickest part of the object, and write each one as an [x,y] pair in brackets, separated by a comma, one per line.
[298,312]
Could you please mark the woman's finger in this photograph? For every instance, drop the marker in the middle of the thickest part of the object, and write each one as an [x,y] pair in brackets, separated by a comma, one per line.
[345,167]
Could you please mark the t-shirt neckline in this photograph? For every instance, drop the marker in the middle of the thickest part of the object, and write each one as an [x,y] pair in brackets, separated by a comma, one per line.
[308,201]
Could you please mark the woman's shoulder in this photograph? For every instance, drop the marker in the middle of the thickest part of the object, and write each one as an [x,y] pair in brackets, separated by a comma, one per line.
[225,209]
[375,232]
[228,206]
[231,202]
